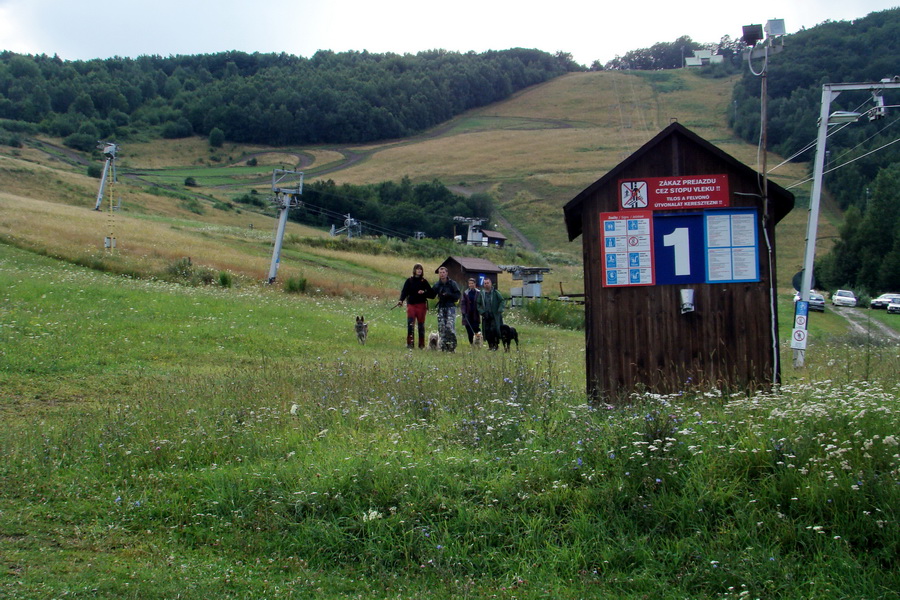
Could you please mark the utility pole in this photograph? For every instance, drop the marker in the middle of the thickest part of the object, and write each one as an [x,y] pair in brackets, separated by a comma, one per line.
[830,91]
[286,187]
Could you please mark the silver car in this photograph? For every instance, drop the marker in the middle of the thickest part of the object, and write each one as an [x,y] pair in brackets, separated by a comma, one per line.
[816,301]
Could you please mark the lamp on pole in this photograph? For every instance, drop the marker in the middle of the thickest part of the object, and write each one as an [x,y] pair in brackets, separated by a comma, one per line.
[830,91]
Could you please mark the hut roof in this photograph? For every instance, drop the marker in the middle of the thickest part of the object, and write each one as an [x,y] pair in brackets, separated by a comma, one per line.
[493,234]
[481,265]
[782,200]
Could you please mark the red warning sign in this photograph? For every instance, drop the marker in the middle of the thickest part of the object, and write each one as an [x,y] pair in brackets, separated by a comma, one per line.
[673,193]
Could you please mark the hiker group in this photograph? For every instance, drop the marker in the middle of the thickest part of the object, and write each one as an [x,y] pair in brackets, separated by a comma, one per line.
[481,310]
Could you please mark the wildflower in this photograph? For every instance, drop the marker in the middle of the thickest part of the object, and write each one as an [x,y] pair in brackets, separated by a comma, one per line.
[371,515]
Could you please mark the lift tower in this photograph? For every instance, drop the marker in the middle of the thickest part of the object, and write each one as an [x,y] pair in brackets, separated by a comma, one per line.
[286,187]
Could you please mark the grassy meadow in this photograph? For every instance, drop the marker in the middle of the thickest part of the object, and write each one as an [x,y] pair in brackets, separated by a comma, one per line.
[174,428]
[166,441]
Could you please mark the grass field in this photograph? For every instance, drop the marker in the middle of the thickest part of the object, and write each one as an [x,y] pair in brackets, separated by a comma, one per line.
[163,439]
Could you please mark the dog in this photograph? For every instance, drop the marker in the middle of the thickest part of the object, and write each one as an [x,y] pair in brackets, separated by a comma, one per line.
[507,335]
[434,341]
[362,330]
[477,341]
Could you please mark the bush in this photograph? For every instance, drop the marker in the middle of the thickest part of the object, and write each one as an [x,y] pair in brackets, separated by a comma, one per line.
[295,285]
[548,312]
[94,170]
[252,162]
[225,279]
[253,199]
[184,271]
[81,141]
[193,205]
[177,129]
[190,182]
[216,137]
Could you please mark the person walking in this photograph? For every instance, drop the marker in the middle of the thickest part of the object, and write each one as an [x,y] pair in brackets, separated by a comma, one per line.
[416,292]
[490,307]
[448,294]
[468,308]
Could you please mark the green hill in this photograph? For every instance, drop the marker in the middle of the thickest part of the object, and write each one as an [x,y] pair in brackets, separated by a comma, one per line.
[532,152]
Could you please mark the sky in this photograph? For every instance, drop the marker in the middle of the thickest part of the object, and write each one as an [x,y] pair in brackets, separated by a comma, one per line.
[588,30]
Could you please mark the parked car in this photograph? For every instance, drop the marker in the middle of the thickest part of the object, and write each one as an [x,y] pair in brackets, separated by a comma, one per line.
[843,298]
[883,300]
[894,306]
[816,301]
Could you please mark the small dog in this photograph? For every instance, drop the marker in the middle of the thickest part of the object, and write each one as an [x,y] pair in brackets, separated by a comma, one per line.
[362,330]
[478,341]
[434,341]
[507,335]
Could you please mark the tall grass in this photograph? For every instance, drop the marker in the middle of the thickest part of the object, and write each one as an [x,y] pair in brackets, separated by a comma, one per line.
[205,442]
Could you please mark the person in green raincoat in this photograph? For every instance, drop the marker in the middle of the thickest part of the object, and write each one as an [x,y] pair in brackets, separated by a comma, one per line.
[490,306]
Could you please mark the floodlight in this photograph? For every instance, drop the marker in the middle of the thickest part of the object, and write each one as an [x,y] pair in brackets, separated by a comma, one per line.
[752,34]
[774,27]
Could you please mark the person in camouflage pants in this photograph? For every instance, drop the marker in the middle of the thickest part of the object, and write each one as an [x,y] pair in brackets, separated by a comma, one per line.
[447,292]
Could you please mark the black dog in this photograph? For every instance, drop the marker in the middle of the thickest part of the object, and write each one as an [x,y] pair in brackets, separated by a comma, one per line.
[507,335]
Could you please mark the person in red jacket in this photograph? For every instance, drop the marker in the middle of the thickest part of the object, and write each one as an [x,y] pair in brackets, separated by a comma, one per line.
[416,292]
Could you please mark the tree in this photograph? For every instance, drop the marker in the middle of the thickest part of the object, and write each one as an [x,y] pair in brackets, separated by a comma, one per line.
[216,137]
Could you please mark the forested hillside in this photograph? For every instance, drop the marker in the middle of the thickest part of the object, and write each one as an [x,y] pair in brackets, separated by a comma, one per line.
[867,257]
[273,99]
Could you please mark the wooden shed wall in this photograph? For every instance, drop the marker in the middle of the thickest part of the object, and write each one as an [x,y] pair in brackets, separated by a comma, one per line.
[637,337]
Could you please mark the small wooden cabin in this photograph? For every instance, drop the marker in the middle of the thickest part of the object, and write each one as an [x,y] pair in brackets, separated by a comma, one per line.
[460,268]
[493,238]
[679,270]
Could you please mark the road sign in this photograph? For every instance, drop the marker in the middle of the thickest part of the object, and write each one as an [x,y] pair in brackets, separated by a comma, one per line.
[798,339]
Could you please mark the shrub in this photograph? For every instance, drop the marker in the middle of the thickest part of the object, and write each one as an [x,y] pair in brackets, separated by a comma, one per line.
[216,137]
[193,205]
[94,170]
[295,285]
[252,162]
[184,271]
[190,182]
[567,316]
[225,279]
[81,141]
[177,129]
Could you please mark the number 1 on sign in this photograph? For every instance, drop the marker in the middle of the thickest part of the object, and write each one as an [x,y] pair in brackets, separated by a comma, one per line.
[680,241]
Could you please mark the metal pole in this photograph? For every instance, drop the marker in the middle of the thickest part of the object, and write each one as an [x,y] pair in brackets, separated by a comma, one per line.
[279,237]
[812,223]
[102,183]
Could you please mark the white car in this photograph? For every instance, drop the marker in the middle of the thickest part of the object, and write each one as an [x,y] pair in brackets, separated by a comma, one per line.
[883,300]
[894,306]
[843,298]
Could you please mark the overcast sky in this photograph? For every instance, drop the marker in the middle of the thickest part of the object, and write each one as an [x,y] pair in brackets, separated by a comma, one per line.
[589,30]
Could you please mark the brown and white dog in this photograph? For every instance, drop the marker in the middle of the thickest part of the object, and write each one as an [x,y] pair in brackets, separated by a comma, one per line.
[478,341]
[362,330]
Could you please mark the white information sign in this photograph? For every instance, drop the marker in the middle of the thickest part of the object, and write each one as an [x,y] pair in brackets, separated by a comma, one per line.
[731,250]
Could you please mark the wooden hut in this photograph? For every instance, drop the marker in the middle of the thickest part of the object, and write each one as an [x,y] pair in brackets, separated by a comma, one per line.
[493,238]
[460,268]
[679,270]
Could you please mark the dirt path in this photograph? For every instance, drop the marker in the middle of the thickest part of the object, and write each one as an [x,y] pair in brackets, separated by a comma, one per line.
[861,324]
